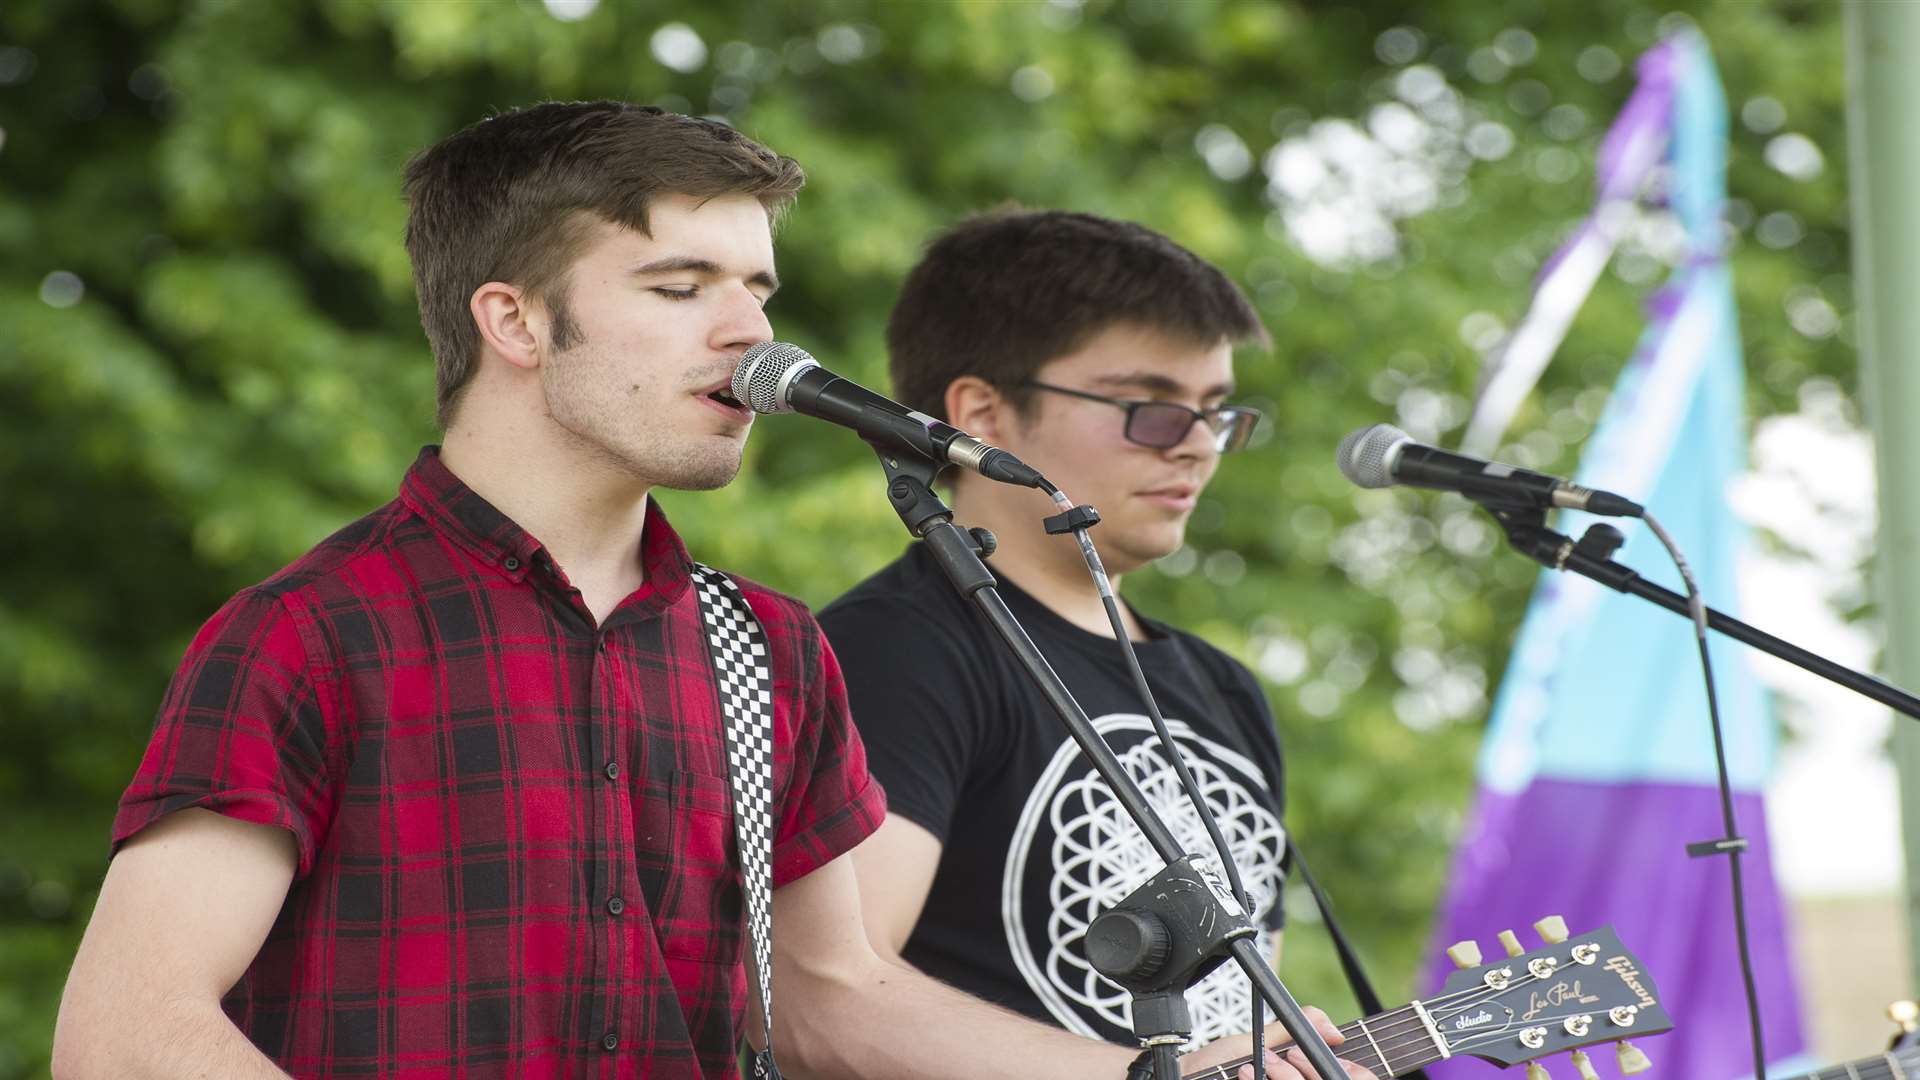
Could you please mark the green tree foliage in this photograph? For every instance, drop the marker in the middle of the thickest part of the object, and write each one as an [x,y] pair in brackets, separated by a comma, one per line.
[210,357]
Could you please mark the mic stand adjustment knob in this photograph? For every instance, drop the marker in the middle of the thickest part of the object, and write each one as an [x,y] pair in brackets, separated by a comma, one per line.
[1124,944]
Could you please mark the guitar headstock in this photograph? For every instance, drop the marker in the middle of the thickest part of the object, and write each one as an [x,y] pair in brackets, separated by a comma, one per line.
[1571,992]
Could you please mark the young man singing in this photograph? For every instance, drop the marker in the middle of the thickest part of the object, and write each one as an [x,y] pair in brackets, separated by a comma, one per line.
[447,796]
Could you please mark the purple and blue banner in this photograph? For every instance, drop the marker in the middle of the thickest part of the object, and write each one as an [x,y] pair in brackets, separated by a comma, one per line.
[1598,766]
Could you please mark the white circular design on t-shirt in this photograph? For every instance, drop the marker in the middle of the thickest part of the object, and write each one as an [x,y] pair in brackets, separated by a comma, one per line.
[1098,856]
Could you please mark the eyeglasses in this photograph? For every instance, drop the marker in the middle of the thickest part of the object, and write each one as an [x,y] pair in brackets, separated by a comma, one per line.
[1163,425]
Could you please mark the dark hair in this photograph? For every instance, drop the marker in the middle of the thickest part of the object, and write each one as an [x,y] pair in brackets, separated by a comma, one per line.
[514,197]
[1002,293]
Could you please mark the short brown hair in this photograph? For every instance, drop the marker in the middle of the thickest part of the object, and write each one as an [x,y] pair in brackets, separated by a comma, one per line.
[1002,293]
[513,197]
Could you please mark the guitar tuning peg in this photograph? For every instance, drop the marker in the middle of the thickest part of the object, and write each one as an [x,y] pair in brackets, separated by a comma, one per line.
[1583,1065]
[1510,942]
[1632,1060]
[1537,1071]
[1906,1014]
[1464,954]
[1552,929]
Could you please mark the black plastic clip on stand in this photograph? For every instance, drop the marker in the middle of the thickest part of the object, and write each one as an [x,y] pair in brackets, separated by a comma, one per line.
[1183,922]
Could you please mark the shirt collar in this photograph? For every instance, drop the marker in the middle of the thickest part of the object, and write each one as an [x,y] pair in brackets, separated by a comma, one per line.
[458,512]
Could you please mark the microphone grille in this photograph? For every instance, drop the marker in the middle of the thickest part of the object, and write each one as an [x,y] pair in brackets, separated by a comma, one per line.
[1363,454]
[761,378]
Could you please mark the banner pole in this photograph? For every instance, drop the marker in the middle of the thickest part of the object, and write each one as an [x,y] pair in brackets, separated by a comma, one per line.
[1883,82]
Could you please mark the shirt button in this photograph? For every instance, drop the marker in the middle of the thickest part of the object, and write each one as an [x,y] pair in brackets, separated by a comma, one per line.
[613,770]
[512,563]
[614,907]
[610,1041]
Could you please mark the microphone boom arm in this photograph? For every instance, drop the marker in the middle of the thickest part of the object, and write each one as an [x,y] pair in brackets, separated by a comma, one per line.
[1526,529]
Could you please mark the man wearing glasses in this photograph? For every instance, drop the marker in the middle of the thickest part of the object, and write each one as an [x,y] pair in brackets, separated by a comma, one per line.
[1101,353]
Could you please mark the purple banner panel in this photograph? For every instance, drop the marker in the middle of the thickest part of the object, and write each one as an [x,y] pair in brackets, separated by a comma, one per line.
[1615,853]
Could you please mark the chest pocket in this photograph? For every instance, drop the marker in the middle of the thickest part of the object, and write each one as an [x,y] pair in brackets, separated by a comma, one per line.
[692,878]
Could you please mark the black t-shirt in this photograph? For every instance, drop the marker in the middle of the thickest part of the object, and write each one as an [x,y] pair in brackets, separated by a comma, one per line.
[1034,843]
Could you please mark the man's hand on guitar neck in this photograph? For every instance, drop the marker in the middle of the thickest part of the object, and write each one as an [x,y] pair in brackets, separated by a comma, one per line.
[1218,1059]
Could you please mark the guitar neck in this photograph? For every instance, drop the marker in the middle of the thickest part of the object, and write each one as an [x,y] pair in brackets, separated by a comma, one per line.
[1572,993]
[1392,1043]
[1899,1065]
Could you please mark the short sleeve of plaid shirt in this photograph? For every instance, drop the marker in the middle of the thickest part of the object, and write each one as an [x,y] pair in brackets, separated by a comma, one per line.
[515,847]
[822,814]
[242,731]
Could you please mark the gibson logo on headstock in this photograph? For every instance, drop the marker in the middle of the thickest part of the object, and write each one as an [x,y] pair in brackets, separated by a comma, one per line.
[1475,1020]
[1630,975]
[1554,996]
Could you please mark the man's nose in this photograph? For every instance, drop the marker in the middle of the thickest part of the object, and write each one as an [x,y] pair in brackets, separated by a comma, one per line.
[743,322]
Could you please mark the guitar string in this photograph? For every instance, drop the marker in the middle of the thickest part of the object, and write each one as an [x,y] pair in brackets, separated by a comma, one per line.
[1882,1068]
[1403,1024]
[1467,1045]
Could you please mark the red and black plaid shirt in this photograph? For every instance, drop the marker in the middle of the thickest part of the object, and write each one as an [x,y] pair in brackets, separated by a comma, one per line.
[516,854]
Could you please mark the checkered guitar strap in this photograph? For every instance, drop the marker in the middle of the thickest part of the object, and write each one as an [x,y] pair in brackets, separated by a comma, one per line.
[744,678]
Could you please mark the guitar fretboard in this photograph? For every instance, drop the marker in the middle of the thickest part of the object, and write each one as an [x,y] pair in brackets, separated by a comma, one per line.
[1392,1043]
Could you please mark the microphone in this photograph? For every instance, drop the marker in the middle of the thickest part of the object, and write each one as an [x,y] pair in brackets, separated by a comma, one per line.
[774,377]
[1383,455]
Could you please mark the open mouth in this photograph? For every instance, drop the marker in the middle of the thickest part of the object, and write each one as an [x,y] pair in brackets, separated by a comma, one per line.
[724,396]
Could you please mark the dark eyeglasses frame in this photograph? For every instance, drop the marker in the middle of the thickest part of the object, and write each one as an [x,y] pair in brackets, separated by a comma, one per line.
[1232,425]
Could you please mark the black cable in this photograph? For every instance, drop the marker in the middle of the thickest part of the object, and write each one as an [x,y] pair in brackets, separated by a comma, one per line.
[1732,845]
[1187,783]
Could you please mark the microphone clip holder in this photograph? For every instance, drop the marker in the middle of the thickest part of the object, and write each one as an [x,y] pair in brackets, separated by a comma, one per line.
[910,491]
[910,487]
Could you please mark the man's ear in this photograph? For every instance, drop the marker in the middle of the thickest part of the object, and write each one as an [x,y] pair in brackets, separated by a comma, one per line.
[508,323]
[977,407]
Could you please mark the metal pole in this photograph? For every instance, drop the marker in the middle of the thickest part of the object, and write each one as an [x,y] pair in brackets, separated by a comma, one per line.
[1883,87]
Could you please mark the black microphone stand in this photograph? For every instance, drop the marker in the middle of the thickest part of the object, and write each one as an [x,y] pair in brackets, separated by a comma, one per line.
[1183,922]
[1591,557]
